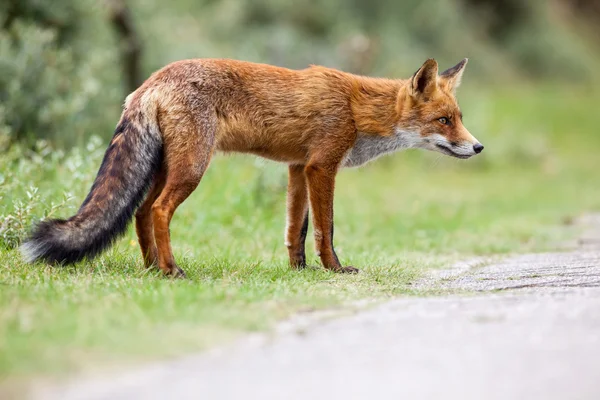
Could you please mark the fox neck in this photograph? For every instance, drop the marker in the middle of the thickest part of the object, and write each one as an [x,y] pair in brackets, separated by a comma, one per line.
[376,112]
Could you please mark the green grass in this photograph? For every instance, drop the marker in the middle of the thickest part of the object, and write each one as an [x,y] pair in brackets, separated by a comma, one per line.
[394,219]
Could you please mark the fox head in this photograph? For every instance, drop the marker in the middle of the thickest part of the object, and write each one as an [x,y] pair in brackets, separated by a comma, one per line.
[429,110]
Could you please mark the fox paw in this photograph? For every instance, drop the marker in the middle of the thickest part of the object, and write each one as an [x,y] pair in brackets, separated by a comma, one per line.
[299,263]
[347,270]
[177,273]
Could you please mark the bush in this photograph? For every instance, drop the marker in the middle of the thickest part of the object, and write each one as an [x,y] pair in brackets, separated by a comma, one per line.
[43,91]
[49,84]
[40,183]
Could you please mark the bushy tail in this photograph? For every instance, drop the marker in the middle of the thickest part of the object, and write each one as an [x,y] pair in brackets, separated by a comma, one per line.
[127,170]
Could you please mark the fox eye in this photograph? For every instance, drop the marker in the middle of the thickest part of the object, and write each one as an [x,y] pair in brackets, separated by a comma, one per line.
[444,120]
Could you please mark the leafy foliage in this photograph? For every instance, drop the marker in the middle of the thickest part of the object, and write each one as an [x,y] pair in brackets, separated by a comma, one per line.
[49,84]
[26,194]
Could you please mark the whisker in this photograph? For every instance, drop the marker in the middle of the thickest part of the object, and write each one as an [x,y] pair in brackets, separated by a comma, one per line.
[436,161]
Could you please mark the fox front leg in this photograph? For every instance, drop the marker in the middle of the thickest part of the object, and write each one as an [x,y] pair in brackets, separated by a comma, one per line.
[321,183]
[297,216]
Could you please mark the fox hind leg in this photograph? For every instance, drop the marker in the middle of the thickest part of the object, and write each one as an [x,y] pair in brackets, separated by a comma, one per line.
[143,221]
[188,145]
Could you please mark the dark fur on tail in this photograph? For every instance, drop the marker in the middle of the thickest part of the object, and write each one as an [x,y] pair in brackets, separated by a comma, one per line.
[127,170]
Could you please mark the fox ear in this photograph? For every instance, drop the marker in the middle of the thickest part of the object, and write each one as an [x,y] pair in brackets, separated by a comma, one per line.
[452,76]
[424,81]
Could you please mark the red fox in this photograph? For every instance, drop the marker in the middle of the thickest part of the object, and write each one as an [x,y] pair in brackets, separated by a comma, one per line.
[316,120]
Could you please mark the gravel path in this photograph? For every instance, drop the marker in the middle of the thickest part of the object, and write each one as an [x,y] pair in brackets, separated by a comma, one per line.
[529,329]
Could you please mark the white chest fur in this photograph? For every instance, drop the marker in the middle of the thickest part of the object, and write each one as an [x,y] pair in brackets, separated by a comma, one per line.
[369,147]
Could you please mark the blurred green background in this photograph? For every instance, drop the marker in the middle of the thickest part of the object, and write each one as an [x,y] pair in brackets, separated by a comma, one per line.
[63,77]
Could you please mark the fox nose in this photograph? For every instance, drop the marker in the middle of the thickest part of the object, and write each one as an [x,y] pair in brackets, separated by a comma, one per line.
[477,148]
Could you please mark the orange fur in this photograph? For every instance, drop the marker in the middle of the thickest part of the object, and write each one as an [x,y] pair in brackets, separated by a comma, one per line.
[316,120]
[309,119]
